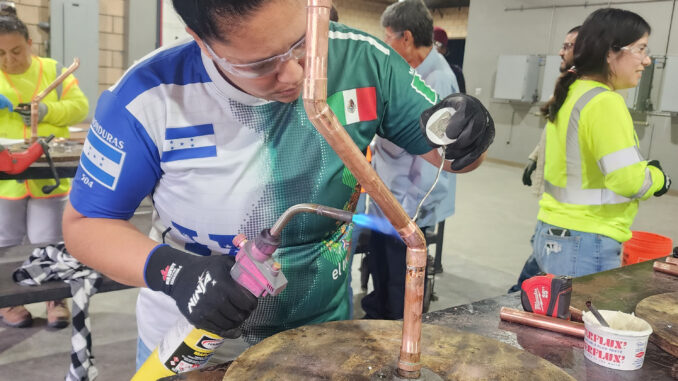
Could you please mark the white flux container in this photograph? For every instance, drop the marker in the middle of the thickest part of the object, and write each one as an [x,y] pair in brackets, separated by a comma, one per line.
[622,345]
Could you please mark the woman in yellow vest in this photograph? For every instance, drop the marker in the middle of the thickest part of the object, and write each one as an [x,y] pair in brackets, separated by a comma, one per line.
[594,173]
[26,213]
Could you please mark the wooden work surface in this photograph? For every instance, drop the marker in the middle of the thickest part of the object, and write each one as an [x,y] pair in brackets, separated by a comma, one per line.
[619,289]
[661,311]
[368,349]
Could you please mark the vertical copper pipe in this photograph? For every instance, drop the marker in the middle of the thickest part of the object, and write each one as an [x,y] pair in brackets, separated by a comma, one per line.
[35,101]
[324,120]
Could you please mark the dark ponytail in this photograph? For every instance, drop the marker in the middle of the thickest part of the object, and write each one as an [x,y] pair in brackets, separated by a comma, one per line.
[550,109]
[10,23]
[605,30]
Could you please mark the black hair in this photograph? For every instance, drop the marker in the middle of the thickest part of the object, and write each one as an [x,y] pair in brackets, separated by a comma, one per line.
[210,19]
[10,23]
[412,15]
[574,30]
[334,15]
[604,30]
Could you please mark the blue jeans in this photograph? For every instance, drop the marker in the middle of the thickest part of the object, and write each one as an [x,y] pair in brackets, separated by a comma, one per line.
[142,353]
[561,251]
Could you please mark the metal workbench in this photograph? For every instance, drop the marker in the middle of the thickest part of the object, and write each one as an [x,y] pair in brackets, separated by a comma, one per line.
[619,289]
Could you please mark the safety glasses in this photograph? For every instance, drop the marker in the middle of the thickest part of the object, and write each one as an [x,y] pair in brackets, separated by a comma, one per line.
[263,67]
[641,51]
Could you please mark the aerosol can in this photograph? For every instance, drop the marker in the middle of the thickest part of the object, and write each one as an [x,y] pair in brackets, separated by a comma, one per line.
[185,347]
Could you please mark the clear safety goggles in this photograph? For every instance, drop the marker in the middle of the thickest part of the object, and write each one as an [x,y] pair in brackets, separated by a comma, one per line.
[263,67]
[641,51]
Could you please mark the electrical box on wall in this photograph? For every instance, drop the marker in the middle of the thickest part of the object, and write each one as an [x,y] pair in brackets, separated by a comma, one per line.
[517,78]
[668,100]
[638,98]
[551,74]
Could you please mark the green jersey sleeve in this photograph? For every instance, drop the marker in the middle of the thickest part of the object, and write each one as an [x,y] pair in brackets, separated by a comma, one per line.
[380,93]
[406,97]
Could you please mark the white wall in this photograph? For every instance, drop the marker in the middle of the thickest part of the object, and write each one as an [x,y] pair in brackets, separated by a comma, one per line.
[172,27]
[494,30]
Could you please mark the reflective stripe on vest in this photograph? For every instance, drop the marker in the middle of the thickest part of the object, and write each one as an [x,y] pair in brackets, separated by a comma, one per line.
[573,192]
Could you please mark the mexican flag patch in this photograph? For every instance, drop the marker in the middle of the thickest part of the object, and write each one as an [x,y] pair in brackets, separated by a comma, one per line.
[355,105]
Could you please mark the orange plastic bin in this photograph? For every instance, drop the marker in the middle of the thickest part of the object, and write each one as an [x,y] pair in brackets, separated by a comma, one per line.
[644,246]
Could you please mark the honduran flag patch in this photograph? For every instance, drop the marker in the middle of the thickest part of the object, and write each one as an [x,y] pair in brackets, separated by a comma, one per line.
[354,105]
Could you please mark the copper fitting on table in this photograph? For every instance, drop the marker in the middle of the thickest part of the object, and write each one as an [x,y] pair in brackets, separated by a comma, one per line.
[36,100]
[541,321]
[576,314]
[327,124]
[667,268]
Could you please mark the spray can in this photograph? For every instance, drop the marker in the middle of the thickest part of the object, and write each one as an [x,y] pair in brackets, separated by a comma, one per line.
[182,349]
[186,347]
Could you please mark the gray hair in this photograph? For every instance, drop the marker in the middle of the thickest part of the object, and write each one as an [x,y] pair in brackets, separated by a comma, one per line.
[412,15]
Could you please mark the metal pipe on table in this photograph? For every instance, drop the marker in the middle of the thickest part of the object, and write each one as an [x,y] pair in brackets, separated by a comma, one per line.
[36,100]
[324,120]
[667,268]
[541,321]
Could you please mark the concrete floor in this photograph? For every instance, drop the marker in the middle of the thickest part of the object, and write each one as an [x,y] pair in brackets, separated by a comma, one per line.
[486,243]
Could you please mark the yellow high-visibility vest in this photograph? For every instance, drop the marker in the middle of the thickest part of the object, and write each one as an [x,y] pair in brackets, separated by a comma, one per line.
[594,173]
[66,105]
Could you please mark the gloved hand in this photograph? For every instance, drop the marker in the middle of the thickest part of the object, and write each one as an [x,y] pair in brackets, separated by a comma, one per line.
[527,173]
[202,287]
[24,109]
[667,179]
[5,103]
[460,124]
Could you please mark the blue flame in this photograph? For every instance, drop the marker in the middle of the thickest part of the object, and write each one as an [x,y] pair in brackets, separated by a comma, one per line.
[375,223]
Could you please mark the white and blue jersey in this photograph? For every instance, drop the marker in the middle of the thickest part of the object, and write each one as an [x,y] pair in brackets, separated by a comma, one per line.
[217,162]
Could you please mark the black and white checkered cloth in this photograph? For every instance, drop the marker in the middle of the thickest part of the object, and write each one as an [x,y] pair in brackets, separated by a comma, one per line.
[54,263]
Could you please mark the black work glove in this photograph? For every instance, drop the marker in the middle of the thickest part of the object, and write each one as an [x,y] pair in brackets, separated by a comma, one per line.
[202,287]
[460,124]
[527,173]
[24,109]
[667,179]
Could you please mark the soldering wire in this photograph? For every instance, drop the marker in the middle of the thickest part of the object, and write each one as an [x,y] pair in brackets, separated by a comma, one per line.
[435,182]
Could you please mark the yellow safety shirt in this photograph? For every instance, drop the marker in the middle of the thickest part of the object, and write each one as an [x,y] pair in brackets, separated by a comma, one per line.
[66,106]
[594,173]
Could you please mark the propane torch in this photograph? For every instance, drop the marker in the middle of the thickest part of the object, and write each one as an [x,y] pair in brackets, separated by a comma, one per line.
[186,347]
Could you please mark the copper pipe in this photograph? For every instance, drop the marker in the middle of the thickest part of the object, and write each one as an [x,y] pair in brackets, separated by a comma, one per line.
[541,321]
[667,268]
[36,100]
[327,124]
[576,314]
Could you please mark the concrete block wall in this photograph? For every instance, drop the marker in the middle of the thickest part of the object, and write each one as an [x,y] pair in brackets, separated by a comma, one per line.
[453,20]
[112,15]
[365,15]
[31,12]
[111,34]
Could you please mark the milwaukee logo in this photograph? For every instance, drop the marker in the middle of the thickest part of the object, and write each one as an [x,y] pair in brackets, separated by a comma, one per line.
[169,274]
[200,289]
[538,302]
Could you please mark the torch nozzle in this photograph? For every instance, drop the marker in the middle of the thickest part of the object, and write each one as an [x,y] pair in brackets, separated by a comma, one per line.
[321,210]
